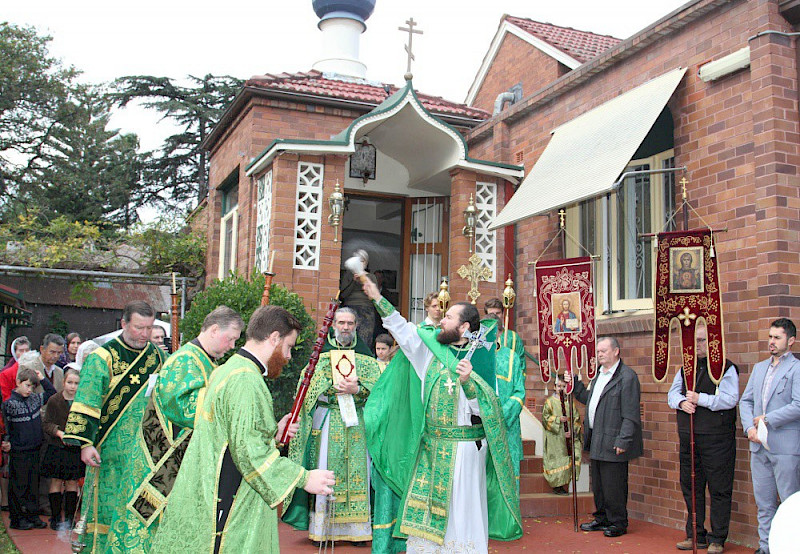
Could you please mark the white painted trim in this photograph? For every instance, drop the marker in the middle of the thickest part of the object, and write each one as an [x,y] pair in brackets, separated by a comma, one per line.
[512,175]
[510,28]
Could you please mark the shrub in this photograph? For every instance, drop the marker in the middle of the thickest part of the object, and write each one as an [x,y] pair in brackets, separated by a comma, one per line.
[244,296]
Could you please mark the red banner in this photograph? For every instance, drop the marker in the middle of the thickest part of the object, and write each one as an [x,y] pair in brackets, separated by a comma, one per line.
[565,300]
[687,293]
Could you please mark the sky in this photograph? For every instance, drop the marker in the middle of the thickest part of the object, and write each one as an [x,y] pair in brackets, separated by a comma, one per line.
[175,38]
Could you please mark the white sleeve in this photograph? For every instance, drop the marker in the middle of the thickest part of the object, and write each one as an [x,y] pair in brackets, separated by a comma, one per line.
[408,339]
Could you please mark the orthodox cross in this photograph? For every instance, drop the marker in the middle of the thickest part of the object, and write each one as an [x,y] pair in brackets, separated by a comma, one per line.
[449,385]
[475,272]
[477,339]
[411,32]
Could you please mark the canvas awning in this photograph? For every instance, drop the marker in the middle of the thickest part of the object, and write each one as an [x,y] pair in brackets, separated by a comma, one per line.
[586,155]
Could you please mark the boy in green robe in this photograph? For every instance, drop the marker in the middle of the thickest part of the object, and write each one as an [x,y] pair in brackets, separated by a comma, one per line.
[105,418]
[557,462]
[507,338]
[233,478]
[169,416]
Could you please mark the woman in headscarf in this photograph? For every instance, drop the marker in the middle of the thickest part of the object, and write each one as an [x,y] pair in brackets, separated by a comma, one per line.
[70,349]
[84,350]
[19,346]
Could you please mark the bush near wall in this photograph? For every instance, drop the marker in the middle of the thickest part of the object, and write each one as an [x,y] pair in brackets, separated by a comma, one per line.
[244,295]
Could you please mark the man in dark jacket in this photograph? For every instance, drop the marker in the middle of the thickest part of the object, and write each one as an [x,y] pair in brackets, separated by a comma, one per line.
[612,435]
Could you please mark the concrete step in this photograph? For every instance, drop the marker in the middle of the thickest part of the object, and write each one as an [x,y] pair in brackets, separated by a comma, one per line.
[533,483]
[549,504]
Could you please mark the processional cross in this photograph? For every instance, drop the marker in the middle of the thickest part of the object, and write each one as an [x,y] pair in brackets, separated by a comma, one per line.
[411,32]
[475,272]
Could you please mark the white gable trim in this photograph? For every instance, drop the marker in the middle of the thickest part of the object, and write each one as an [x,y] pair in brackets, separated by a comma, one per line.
[510,28]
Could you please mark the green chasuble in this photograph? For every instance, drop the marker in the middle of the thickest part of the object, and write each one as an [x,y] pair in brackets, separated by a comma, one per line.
[511,339]
[169,411]
[412,437]
[231,466]
[557,464]
[107,414]
[511,392]
[347,450]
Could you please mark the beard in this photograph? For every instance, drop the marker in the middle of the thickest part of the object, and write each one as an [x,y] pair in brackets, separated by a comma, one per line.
[343,337]
[275,364]
[448,336]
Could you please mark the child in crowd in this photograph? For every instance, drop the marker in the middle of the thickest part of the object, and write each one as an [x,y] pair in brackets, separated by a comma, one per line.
[23,439]
[384,349]
[61,463]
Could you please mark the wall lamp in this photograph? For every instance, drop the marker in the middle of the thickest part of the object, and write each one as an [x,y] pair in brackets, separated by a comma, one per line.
[336,202]
[470,221]
[726,65]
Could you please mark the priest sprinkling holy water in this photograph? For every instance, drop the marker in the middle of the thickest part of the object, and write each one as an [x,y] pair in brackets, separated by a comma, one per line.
[436,433]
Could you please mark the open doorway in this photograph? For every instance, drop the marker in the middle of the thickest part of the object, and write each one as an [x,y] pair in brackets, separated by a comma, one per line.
[375,224]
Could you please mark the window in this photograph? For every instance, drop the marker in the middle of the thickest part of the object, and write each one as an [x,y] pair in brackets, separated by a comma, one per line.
[263,216]
[228,230]
[611,228]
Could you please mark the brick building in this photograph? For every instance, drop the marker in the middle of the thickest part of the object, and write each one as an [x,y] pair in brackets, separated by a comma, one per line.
[652,102]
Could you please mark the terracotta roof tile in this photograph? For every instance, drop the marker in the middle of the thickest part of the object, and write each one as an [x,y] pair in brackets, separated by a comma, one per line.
[580,45]
[318,84]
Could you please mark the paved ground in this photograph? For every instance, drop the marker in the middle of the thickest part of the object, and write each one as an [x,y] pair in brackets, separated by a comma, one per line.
[542,535]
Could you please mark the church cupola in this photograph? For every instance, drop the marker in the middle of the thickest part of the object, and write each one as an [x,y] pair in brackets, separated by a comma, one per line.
[341,23]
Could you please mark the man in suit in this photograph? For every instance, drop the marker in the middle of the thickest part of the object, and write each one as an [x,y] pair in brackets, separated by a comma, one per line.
[612,435]
[772,395]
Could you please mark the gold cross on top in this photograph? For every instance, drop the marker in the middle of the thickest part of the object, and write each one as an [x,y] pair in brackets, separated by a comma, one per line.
[411,32]
[475,272]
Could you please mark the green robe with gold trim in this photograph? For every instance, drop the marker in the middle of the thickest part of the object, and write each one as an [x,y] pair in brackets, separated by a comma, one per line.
[511,339]
[511,392]
[170,410]
[557,463]
[235,416]
[107,414]
[413,435]
[347,452]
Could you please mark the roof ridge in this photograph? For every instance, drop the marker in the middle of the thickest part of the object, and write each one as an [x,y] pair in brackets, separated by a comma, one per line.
[509,17]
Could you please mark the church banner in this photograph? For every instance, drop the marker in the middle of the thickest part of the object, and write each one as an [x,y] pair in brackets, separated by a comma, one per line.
[565,301]
[687,293]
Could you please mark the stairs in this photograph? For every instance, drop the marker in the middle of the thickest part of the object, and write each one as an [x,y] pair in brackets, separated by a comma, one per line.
[536,496]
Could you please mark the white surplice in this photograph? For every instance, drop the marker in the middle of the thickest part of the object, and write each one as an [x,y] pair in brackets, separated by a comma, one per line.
[468,519]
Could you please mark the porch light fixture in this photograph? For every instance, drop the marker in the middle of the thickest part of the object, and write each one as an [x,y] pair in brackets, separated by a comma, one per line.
[336,202]
[470,221]
[363,161]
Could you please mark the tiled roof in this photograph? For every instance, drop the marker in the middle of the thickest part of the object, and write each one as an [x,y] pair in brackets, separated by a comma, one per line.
[316,83]
[580,45]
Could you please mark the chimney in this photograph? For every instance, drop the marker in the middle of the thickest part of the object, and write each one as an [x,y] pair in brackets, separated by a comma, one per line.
[341,23]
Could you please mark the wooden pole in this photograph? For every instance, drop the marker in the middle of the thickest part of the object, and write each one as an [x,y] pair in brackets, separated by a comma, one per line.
[175,338]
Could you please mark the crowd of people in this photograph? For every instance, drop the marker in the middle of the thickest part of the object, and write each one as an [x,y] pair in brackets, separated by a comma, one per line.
[415,446]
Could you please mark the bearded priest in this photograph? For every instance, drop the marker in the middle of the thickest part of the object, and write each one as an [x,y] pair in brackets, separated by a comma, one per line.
[233,478]
[331,436]
[437,436]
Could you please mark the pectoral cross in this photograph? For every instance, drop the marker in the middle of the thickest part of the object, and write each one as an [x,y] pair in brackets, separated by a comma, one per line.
[449,385]
[411,32]
[475,272]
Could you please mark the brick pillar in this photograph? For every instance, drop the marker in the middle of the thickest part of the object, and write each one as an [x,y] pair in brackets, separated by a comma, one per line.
[773,69]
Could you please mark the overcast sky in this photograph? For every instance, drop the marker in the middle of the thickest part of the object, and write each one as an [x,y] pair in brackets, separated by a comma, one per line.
[174,38]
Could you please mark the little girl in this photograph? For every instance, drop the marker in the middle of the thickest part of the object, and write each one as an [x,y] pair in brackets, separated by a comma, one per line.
[61,463]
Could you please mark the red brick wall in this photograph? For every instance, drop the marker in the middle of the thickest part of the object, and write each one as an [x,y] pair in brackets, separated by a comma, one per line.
[738,137]
[517,62]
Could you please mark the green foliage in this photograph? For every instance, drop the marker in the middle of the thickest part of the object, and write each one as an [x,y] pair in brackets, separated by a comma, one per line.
[244,296]
[56,324]
[167,249]
[33,90]
[57,243]
[178,173]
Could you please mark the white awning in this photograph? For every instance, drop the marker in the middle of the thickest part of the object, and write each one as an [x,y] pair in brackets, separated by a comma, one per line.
[586,155]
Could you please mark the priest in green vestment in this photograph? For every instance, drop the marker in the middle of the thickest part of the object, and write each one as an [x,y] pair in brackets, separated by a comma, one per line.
[169,416]
[511,392]
[557,462]
[507,338]
[233,478]
[104,420]
[331,436]
[436,434]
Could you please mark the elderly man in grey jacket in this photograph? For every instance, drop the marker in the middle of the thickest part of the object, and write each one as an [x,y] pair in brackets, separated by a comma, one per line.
[612,435]
[772,396]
